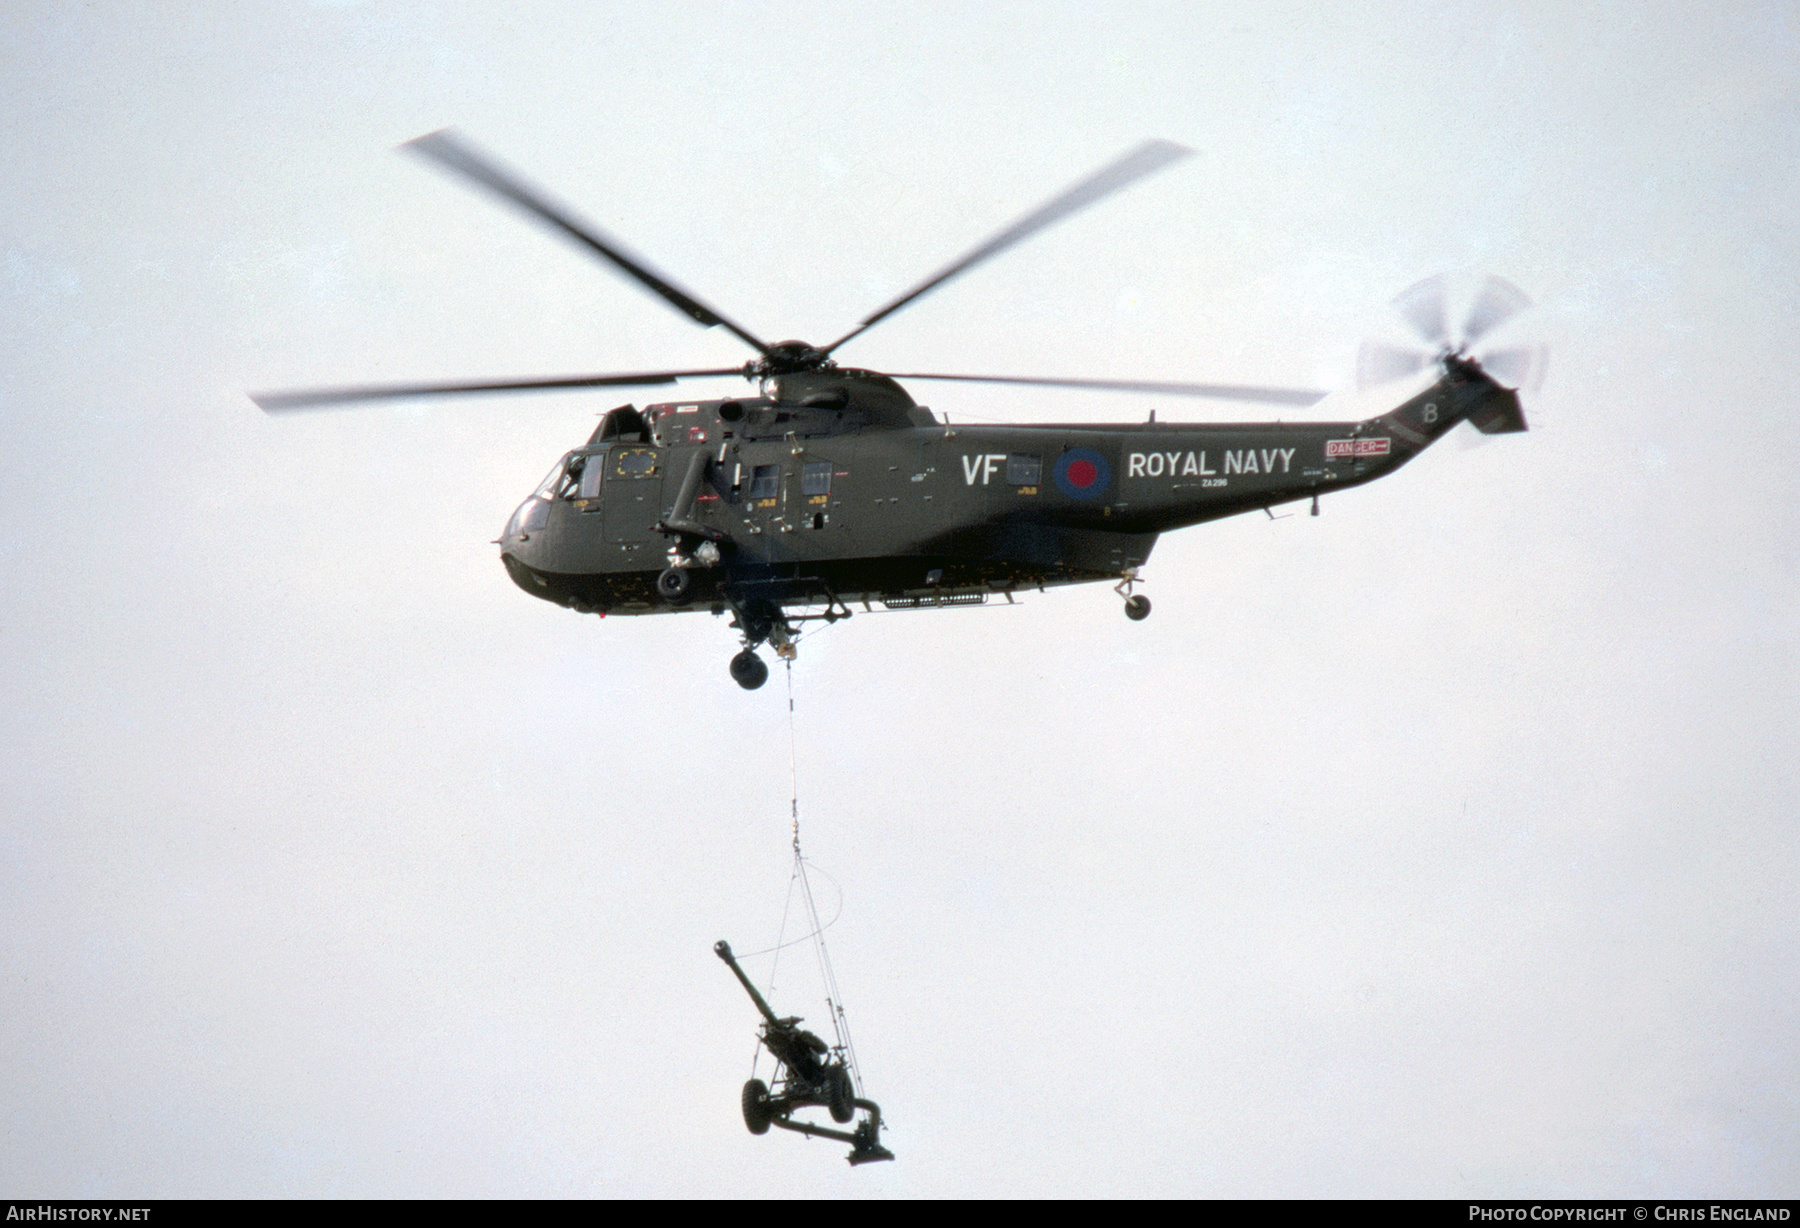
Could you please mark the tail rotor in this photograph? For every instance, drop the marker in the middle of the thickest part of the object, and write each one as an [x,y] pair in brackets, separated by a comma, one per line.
[1425,308]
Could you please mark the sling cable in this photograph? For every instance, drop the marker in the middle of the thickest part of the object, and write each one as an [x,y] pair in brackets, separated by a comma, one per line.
[808,1072]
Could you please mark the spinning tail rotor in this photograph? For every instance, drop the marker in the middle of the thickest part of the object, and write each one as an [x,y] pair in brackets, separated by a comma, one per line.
[1425,307]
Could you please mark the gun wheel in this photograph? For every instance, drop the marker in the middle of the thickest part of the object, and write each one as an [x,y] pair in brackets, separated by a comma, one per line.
[757,1114]
[841,1095]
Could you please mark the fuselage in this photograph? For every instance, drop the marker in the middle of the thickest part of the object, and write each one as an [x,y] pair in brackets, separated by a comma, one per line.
[835,486]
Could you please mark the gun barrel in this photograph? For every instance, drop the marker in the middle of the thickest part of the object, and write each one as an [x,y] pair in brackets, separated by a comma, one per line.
[722,949]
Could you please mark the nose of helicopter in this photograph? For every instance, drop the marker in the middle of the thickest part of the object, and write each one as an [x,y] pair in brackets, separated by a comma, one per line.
[519,548]
[518,541]
[527,520]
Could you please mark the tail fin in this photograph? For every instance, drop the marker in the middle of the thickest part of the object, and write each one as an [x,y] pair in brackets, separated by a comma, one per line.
[1500,414]
[1465,393]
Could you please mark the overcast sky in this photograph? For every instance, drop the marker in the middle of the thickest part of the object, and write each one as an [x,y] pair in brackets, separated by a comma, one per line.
[1442,845]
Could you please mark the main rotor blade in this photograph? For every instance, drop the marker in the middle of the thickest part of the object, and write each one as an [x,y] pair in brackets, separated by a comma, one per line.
[447,149]
[1220,392]
[324,398]
[1147,158]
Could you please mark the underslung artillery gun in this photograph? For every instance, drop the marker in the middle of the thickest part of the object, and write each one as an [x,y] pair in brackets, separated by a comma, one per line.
[807,1072]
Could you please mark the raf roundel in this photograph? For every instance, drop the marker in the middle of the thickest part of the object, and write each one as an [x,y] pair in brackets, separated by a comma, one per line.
[1082,473]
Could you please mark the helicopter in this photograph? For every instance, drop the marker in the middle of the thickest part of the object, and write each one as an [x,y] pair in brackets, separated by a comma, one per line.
[828,485]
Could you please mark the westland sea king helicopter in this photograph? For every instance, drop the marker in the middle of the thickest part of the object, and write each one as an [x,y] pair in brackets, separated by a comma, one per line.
[828,485]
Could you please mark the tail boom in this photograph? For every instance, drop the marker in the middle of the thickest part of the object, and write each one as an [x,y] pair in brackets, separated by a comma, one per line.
[1182,475]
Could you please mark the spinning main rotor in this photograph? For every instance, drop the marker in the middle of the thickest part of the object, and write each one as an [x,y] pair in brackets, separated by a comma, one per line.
[783,357]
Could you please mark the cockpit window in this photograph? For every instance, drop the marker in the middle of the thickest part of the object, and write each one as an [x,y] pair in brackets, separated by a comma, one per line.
[529,518]
[571,476]
[590,478]
[547,487]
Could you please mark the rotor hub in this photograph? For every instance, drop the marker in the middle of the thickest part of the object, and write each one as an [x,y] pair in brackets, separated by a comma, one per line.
[790,357]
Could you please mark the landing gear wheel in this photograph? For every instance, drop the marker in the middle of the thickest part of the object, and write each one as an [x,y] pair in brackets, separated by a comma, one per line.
[1137,607]
[748,670]
[675,586]
[841,1095]
[757,1114]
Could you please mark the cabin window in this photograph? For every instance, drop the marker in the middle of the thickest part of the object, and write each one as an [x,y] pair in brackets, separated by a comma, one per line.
[815,478]
[633,462]
[765,482]
[1024,470]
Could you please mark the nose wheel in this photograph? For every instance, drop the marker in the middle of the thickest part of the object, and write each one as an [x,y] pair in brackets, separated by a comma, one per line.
[1137,606]
[675,586]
